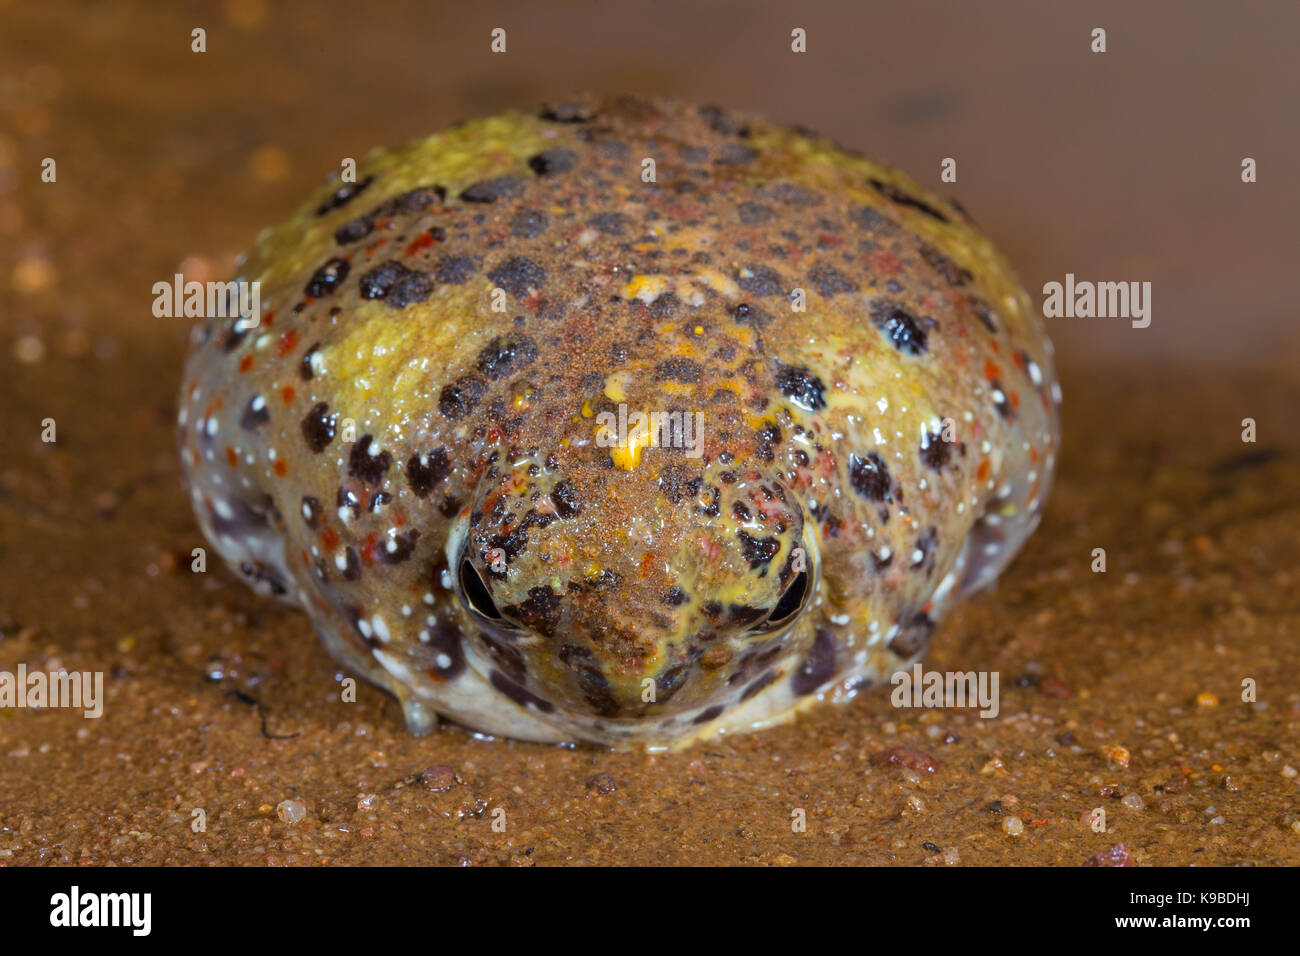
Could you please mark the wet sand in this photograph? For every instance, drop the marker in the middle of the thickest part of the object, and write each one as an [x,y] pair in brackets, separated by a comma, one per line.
[1120,690]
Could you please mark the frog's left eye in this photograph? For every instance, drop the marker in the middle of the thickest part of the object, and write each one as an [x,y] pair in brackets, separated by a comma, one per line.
[476,592]
[790,605]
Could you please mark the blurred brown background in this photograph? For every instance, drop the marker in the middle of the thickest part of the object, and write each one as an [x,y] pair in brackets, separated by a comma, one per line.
[1118,166]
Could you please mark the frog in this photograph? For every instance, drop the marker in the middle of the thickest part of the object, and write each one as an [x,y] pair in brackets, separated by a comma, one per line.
[621,421]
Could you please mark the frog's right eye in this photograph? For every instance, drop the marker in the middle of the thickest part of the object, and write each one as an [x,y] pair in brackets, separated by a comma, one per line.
[476,592]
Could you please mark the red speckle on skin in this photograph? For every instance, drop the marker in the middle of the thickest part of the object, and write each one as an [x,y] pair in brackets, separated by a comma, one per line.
[399,519]
[281,467]
[997,349]
[287,393]
[825,464]
[829,239]
[1019,359]
[370,249]
[329,537]
[683,210]
[288,341]
[982,472]
[1033,454]
[423,241]
[647,565]
[435,676]
[1015,400]
[883,261]
[231,458]
[268,319]
[246,363]
[990,370]
[368,551]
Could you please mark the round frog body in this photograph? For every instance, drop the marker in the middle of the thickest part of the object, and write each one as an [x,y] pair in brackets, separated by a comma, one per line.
[622,421]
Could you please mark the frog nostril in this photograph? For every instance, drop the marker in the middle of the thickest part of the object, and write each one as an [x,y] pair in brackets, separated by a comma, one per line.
[476,592]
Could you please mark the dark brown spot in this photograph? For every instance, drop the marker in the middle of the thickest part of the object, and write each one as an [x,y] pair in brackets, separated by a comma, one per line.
[327,278]
[454,270]
[869,476]
[461,397]
[801,386]
[397,285]
[518,275]
[553,161]
[343,195]
[490,190]
[506,355]
[901,327]
[896,195]
[426,472]
[370,468]
[318,427]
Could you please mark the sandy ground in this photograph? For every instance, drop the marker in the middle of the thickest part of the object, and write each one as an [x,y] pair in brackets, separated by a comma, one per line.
[1120,690]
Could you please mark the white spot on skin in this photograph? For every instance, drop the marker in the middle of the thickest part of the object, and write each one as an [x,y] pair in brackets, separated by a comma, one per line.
[381,628]
[442,660]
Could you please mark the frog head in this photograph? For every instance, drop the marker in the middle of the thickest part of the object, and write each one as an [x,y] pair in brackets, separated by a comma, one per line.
[614,592]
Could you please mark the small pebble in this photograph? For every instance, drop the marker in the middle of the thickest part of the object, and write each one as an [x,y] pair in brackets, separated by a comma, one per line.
[1013,826]
[1119,756]
[33,275]
[29,350]
[438,778]
[291,811]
